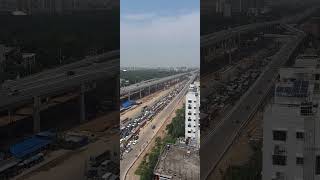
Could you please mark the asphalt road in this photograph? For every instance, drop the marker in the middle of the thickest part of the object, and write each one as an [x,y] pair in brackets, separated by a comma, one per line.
[56,80]
[147,133]
[218,140]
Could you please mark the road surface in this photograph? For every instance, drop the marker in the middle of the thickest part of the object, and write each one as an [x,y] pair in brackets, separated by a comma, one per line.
[147,133]
[219,139]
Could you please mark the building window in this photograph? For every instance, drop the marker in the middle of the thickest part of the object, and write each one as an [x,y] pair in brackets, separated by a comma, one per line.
[189,113]
[189,125]
[279,160]
[299,160]
[300,135]
[189,119]
[280,175]
[189,131]
[279,135]
[317,165]
[189,101]
[317,76]
[189,107]
[306,109]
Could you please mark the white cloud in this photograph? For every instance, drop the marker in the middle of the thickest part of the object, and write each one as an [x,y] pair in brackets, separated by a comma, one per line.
[138,17]
[162,41]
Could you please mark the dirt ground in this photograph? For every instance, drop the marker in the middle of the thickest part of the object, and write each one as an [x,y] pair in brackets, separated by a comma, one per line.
[71,164]
[146,101]
[240,152]
[27,110]
[161,133]
[100,124]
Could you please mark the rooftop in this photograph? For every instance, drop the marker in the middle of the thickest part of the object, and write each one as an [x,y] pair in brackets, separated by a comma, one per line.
[28,146]
[179,162]
[297,88]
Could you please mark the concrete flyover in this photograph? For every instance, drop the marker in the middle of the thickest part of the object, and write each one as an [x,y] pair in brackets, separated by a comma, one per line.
[230,39]
[80,76]
[146,87]
[221,138]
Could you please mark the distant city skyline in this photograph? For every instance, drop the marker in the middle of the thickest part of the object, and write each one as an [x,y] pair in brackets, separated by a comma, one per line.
[160,34]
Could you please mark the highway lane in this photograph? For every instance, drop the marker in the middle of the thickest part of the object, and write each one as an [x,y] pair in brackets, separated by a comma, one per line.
[47,83]
[108,56]
[218,141]
[60,73]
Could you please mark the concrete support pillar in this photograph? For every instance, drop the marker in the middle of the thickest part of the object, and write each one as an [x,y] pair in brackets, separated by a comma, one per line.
[140,93]
[82,104]
[212,52]
[129,94]
[149,90]
[36,114]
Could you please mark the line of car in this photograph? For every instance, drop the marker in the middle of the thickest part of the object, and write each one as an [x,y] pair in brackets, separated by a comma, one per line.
[129,133]
[226,94]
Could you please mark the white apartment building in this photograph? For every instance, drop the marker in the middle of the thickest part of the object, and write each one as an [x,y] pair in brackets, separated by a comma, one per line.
[291,124]
[192,115]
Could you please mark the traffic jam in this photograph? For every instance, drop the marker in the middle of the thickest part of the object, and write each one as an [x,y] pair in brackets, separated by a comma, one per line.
[225,94]
[129,131]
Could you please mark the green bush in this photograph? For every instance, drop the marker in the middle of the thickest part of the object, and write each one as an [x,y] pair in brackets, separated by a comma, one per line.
[175,130]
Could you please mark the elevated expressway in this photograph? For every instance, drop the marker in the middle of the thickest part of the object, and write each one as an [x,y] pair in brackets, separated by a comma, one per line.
[80,76]
[128,91]
[219,139]
[231,38]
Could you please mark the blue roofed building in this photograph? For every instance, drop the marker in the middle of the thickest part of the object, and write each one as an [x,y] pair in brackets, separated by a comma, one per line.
[127,104]
[29,147]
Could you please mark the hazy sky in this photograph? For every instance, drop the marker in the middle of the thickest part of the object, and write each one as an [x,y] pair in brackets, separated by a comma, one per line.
[160,33]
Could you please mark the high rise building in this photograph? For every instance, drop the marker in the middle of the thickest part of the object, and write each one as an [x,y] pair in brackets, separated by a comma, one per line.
[291,128]
[2,57]
[192,115]
[245,6]
[8,5]
[236,6]
[220,6]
